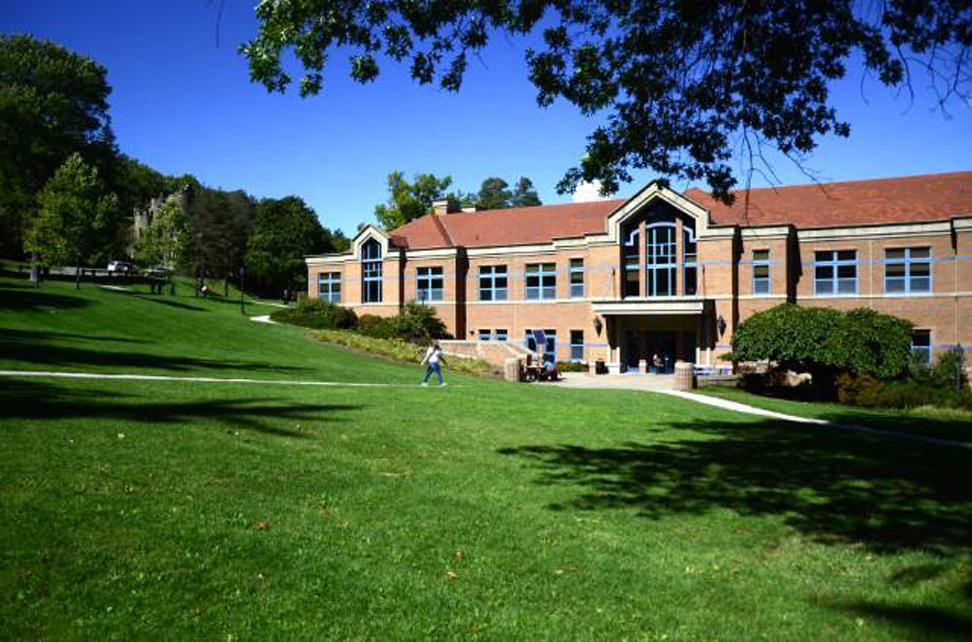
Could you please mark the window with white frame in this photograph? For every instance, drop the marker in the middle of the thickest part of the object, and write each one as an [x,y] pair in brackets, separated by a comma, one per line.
[921,346]
[428,284]
[576,278]
[493,281]
[371,272]
[576,345]
[907,270]
[835,272]
[630,263]
[501,334]
[485,334]
[541,281]
[761,272]
[329,286]
[549,343]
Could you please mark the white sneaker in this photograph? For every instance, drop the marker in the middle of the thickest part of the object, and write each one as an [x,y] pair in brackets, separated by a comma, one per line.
[443,384]
[424,384]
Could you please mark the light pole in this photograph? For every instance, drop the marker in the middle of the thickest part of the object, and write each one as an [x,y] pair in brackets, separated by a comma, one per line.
[242,277]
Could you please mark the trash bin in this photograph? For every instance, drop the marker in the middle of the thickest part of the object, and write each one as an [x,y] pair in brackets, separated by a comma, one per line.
[684,375]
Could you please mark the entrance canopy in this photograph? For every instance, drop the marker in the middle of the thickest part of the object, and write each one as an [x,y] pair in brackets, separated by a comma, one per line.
[629,307]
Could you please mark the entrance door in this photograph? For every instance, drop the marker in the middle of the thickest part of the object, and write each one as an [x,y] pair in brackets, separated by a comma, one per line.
[662,352]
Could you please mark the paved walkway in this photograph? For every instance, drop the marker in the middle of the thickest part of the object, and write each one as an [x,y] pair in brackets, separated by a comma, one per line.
[263,318]
[617,382]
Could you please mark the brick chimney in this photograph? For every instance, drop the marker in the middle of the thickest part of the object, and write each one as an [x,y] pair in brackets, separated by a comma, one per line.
[442,206]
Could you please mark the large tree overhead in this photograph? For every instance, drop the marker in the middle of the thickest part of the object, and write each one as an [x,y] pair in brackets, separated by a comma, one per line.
[52,103]
[408,201]
[678,84]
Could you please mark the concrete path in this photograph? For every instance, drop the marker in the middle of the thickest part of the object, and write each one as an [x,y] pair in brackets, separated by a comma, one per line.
[264,318]
[641,382]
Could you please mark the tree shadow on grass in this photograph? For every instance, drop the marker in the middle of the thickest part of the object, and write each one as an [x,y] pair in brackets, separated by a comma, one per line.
[25,336]
[921,622]
[35,400]
[833,486]
[28,298]
[31,347]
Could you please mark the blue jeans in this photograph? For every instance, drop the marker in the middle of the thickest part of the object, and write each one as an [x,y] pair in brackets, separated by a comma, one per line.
[433,367]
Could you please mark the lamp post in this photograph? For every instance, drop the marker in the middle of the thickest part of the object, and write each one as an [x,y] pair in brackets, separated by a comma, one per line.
[242,277]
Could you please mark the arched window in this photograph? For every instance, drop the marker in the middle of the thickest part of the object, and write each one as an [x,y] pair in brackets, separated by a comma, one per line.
[371,272]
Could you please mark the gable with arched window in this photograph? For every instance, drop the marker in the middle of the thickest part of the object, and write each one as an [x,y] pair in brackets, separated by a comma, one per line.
[658,254]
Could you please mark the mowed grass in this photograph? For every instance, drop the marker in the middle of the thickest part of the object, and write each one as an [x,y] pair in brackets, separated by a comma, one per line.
[483,510]
[953,424]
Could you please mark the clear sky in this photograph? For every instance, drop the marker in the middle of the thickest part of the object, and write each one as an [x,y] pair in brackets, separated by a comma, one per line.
[183,105]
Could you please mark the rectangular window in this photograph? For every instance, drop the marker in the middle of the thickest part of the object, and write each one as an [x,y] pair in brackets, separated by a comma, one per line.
[907,270]
[835,272]
[576,345]
[689,263]
[921,346]
[541,281]
[484,335]
[576,278]
[630,264]
[492,283]
[501,334]
[429,284]
[549,343]
[761,272]
[329,286]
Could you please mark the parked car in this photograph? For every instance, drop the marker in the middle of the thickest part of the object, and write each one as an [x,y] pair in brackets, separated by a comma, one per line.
[120,267]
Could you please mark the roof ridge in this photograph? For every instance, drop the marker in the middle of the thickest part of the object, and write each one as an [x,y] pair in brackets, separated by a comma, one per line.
[442,229]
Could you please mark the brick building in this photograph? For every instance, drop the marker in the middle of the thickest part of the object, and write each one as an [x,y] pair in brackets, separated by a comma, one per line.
[670,274]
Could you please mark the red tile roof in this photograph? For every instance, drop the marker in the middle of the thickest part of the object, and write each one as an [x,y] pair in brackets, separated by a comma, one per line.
[911,199]
[517,226]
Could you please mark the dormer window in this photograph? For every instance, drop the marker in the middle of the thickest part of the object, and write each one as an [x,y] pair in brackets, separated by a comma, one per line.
[371,272]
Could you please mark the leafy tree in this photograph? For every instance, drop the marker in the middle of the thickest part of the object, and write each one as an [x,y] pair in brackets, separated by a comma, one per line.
[494,194]
[871,343]
[408,201]
[524,194]
[678,83]
[53,103]
[284,232]
[220,224]
[74,213]
[166,239]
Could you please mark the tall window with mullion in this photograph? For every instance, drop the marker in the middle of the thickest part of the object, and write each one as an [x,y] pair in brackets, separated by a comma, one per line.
[689,262]
[371,272]
[576,278]
[492,283]
[549,344]
[329,286]
[541,281]
[835,272]
[660,259]
[907,270]
[761,272]
[428,284]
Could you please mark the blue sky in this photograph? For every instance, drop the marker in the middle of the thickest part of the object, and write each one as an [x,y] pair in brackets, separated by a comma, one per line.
[182,104]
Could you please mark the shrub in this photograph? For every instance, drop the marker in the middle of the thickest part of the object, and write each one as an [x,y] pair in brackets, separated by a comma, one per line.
[372,325]
[318,314]
[826,343]
[571,366]
[417,323]
[857,389]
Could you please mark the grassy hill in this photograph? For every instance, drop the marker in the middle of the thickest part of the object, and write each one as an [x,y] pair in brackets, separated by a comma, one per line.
[482,510]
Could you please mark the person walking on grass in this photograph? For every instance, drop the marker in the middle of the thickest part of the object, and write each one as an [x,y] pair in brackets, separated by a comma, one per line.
[433,363]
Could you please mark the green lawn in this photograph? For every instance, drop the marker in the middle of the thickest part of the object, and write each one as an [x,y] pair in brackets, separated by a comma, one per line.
[481,510]
[927,421]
